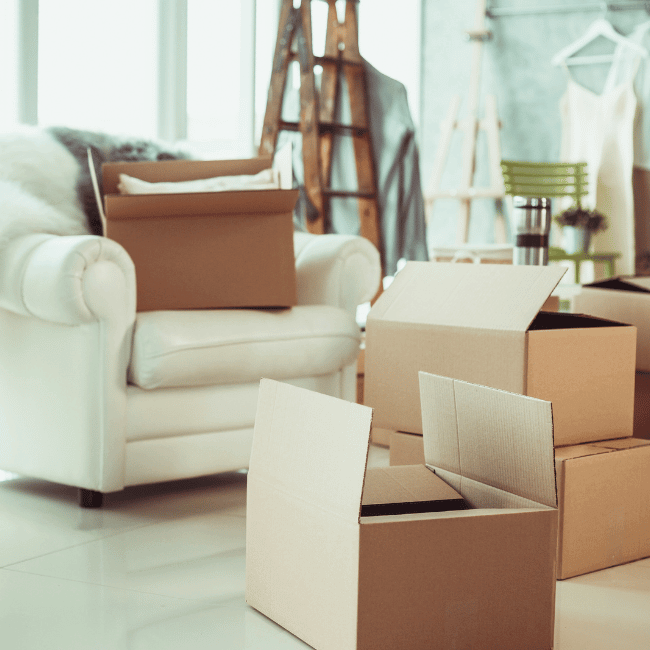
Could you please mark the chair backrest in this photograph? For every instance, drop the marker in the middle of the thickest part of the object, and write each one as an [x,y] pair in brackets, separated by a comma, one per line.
[552,180]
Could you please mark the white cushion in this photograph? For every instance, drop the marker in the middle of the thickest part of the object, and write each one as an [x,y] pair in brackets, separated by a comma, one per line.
[214,347]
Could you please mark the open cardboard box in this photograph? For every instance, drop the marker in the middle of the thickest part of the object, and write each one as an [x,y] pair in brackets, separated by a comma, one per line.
[435,576]
[603,499]
[482,323]
[625,299]
[204,250]
[405,448]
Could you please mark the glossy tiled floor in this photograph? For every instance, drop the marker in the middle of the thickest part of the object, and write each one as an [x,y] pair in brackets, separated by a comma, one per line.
[162,567]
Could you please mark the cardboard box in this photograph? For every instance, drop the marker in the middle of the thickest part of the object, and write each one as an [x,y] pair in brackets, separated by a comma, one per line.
[603,498]
[625,299]
[405,449]
[481,323]
[204,250]
[642,405]
[380,437]
[477,578]
[552,303]
[604,504]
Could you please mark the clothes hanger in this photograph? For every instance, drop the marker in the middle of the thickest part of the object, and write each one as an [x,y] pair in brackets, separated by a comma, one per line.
[600,27]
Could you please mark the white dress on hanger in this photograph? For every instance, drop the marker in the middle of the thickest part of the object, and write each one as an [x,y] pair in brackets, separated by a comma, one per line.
[640,35]
[598,129]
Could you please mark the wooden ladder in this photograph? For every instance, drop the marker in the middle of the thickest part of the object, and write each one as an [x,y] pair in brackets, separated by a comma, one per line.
[318,109]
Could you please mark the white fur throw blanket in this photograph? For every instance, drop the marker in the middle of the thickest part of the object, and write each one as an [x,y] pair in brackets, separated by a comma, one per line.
[45,184]
[38,187]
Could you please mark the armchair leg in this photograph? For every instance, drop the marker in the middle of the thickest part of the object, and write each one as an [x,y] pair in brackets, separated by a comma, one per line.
[90,498]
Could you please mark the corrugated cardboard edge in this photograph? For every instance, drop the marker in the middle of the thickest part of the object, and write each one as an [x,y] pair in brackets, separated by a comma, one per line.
[560,478]
[488,436]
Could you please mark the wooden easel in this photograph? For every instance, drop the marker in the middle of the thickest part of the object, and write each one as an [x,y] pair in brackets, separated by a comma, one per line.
[318,109]
[470,127]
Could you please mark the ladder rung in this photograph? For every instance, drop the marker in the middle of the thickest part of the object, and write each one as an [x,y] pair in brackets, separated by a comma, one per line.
[289,126]
[347,193]
[337,60]
[337,127]
[328,127]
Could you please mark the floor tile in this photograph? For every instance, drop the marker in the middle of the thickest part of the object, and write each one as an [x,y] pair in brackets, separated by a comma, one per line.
[49,614]
[37,517]
[604,610]
[215,627]
[193,558]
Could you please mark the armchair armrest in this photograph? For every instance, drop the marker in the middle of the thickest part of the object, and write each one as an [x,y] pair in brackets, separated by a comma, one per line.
[339,270]
[66,323]
[67,279]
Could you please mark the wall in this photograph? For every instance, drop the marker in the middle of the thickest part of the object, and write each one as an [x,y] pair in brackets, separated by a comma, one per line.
[517,69]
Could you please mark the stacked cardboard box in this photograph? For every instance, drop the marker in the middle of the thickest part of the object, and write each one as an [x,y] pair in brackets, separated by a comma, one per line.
[626,299]
[204,250]
[482,324]
[347,558]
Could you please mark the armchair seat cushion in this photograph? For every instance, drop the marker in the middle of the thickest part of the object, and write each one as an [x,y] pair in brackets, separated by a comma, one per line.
[214,347]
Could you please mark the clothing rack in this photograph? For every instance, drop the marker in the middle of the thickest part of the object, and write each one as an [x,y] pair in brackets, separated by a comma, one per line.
[631,5]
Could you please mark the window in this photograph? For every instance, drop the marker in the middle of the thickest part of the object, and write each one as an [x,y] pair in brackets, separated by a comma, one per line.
[97,70]
[9,67]
[221,75]
[194,71]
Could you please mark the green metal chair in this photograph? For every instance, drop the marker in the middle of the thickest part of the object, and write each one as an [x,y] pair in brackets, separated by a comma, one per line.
[549,180]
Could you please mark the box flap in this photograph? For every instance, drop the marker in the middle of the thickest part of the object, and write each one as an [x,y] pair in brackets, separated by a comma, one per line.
[622,283]
[483,296]
[497,438]
[147,206]
[311,446]
[95,183]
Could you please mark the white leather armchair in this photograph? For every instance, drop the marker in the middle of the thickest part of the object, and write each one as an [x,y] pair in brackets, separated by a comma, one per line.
[97,396]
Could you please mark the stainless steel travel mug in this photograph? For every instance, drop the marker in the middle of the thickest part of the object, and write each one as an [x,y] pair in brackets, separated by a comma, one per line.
[532,226]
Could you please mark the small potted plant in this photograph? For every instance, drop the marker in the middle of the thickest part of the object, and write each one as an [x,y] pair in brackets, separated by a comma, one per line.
[578,225]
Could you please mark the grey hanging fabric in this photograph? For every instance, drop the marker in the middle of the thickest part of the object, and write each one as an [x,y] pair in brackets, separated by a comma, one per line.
[397,167]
